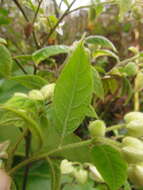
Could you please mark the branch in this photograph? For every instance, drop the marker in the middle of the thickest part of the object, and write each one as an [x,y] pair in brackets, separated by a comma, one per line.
[37,11]
[20,66]
[59,21]
[21,9]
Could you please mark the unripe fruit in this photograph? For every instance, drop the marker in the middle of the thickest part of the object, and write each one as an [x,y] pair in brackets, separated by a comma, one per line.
[135,128]
[66,167]
[135,174]
[132,154]
[5,181]
[133,116]
[36,95]
[81,175]
[131,69]
[133,142]
[97,128]
[48,91]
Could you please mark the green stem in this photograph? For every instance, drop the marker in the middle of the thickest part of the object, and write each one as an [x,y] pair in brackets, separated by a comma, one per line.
[115,127]
[44,155]
[14,148]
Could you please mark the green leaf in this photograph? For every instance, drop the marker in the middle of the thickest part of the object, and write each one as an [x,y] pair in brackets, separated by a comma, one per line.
[104,52]
[111,165]
[101,41]
[44,53]
[5,61]
[30,81]
[73,92]
[31,124]
[91,112]
[98,86]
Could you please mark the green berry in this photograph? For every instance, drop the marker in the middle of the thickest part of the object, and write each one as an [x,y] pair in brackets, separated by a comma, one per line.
[135,128]
[133,116]
[131,69]
[132,154]
[135,173]
[48,91]
[97,128]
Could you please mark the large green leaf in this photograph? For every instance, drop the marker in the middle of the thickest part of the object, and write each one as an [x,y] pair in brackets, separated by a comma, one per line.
[111,165]
[98,86]
[101,41]
[46,52]
[5,61]
[30,81]
[73,92]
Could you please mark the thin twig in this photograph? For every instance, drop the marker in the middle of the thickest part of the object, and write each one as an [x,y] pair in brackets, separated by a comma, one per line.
[37,11]
[20,66]
[59,21]
[27,152]
[56,8]
[21,9]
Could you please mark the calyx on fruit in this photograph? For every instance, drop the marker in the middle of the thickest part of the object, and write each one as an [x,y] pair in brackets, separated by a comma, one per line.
[131,116]
[97,128]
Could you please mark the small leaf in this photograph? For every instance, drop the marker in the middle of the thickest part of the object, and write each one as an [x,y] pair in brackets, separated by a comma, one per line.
[91,112]
[5,61]
[73,92]
[30,81]
[104,52]
[44,53]
[102,41]
[98,86]
[111,165]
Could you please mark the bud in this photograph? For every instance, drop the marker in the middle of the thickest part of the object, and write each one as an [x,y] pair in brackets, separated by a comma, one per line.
[80,175]
[132,154]
[66,167]
[5,181]
[36,95]
[48,91]
[94,174]
[131,69]
[135,174]
[133,142]
[97,128]
[133,116]
[135,128]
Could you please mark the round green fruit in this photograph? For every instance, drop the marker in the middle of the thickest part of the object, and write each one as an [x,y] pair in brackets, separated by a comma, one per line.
[135,128]
[131,69]
[97,128]
[135,174]
[133,142]
[133,116]
[132,154]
